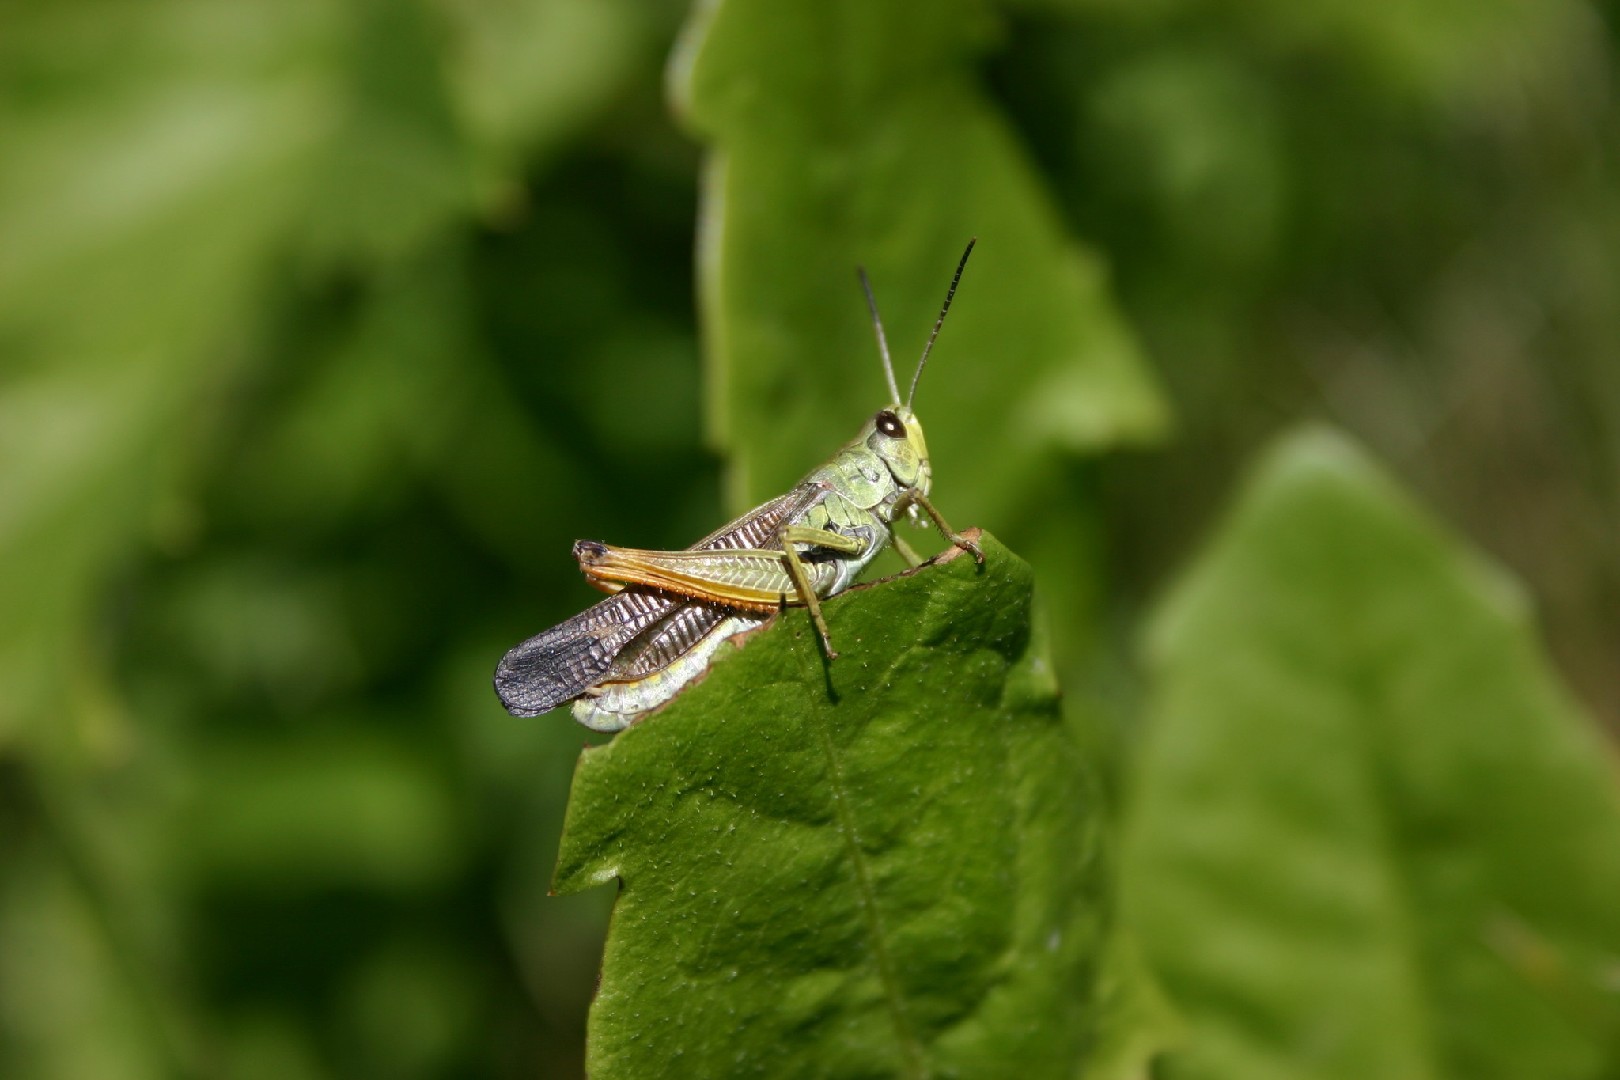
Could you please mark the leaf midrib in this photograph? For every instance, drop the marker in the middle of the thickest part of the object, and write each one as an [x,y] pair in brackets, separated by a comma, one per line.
[911,1051]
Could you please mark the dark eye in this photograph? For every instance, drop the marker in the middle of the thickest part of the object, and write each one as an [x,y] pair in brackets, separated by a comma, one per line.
[890,425]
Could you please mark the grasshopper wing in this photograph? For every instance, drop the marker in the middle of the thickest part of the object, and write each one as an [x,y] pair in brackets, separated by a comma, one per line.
[557,665]
[666,641]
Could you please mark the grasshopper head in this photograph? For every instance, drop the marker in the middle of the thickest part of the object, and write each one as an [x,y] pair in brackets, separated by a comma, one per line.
[896,436]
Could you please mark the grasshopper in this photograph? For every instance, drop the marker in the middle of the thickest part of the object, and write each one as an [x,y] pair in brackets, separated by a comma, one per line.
[671,610]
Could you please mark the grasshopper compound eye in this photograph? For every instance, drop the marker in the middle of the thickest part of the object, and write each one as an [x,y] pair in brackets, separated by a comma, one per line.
[890,425]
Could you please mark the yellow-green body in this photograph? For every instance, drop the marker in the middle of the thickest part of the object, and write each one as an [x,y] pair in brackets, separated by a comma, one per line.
[853,502]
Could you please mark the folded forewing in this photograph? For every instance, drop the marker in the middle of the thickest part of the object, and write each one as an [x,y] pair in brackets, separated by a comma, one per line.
[671,638]
[557,665]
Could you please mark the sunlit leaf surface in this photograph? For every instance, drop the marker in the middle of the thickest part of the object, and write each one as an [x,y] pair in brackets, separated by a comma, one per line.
[885,867]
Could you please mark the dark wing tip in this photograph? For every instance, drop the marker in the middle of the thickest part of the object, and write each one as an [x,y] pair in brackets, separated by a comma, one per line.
[550,669]
[518,698]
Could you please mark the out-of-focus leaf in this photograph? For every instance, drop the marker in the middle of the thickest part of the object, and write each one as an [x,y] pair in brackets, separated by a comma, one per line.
[160,159]
[1486,56]
[439,125]
[1194,137]
[136,220]
[340,809]
[1136,1023]
[852,132]
[396,171]
[886,866]
[527,73]
[380,405]
[1478,57]
[65,969]
[1370,834]
[411,1006]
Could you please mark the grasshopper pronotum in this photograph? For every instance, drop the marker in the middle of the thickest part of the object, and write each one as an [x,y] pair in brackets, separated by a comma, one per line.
[670,610]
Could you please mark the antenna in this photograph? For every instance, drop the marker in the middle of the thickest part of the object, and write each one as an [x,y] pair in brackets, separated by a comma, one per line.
[877,324]
[940,321]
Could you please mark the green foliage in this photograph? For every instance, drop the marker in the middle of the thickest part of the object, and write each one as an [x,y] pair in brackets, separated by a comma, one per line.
[887,865]
[261,459]
[1369,835]
[326,327]
[146,205]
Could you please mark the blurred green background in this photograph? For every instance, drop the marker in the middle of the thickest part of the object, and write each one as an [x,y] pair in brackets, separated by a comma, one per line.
[325,328]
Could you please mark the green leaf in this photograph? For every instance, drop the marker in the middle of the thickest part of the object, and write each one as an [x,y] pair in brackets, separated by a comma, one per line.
[397,170]
[1371,836]
[851,132]
[889,866]
[137,220]
[527,74]
[1480,57]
